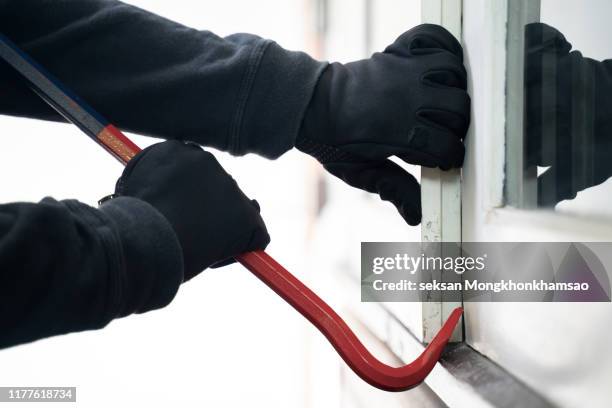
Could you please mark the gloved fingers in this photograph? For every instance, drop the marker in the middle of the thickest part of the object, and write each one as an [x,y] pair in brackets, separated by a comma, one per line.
[121,184]
[452,77]
[388,180]
[257,239]
[444,69]
[540,37]
[158,156]
[250,235]
[456,123]
[212,218]
[425,39]
[432,147]
[447,108]
[254,234]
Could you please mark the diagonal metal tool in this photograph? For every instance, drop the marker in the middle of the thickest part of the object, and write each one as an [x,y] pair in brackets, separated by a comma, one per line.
[262,265]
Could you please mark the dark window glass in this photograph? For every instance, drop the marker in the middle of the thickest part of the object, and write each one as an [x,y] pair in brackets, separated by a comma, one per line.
[568,105]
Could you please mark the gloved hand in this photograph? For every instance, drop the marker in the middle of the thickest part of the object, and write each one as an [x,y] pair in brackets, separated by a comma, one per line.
[211,216]
[409,101]
[567,115]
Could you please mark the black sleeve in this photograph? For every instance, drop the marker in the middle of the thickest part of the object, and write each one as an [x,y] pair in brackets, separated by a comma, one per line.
[155,77]
[66,267]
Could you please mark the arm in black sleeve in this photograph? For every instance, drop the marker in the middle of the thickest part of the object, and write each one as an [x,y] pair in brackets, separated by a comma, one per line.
[66,267]
[155,77]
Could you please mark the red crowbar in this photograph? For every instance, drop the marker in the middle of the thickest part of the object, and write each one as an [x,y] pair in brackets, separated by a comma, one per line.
[259,263]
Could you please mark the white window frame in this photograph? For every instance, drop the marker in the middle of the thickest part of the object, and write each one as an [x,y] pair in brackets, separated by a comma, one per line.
[470,206]
[441,191]
[481,193]
[506,333]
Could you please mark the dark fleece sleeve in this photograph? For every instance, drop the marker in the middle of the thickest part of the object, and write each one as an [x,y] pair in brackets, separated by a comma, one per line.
[155,77]
[67,267]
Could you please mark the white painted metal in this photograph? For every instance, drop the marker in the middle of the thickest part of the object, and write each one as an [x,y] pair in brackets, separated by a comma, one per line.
[485,59]
[441,191]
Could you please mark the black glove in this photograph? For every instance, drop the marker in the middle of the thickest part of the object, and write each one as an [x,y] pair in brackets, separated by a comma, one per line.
[409,101]
[568,111]
[211,216]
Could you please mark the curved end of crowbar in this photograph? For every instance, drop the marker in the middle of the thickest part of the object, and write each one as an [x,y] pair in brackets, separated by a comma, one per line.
[340,335]
[411,375]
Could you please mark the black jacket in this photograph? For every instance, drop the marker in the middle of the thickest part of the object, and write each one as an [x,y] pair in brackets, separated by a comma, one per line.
[65,266]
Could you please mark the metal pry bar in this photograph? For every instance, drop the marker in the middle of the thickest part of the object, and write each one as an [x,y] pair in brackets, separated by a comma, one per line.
[66,103]
[262,265]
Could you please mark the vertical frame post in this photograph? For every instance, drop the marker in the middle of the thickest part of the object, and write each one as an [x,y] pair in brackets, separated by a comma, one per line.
[441,191]
[521,179]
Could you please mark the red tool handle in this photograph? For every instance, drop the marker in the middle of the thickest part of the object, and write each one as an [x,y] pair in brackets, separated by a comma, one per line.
[313,308]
